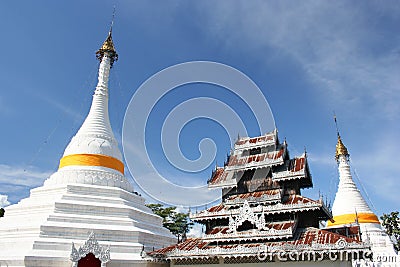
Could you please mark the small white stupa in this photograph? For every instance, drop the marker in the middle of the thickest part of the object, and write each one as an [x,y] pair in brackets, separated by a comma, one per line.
[87,212]
[350,208]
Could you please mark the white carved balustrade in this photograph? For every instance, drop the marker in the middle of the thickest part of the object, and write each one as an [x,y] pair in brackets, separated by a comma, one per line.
[267,209]
[254,161]
[255,164]
[251,199]
[243,250]
[254,234]
[245,144]
[288,175]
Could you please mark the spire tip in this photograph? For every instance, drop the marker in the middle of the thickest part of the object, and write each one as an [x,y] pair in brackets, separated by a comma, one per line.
[108,46]
[341,149]
[112,20]
[337,128]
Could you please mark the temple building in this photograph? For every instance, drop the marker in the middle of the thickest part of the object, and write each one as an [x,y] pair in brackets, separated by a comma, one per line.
[86,213]
[350,208]
[264,217]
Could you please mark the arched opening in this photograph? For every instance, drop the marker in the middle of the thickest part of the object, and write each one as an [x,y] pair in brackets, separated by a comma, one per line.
[89,261]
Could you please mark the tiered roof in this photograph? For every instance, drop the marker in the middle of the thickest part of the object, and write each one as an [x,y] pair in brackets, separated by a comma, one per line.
[262,207]
[308,244]
[292,203]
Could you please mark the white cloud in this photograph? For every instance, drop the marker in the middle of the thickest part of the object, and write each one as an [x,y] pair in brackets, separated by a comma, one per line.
[338,44]
[321,159]
[18,176]
[349,52]
[3,201]
[74,114]
[196,231]
[376,167]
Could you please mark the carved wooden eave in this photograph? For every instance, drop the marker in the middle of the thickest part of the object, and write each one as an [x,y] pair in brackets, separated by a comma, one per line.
[222,179]
[264,198]
[267,209]
[288,175]
[309,239]
[263,160]
[261,141]
[268,233]
[229,175]
[91,246]
[255,250]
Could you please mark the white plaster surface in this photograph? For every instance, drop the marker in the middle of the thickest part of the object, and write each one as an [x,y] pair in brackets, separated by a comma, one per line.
[349,200]
[95,135]
[78,200]
[40,229]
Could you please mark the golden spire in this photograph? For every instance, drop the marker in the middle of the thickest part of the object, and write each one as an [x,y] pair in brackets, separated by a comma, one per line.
[108,46]
[340,148]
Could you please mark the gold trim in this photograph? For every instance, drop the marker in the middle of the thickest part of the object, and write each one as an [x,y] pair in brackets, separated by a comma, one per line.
[351,218]
[92,160]
[108,47]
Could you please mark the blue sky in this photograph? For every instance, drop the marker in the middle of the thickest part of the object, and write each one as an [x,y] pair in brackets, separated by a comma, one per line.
[309,59]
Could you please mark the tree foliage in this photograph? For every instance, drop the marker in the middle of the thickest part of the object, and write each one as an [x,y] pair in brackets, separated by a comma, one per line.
[177,223]
[2,212]
[392,226]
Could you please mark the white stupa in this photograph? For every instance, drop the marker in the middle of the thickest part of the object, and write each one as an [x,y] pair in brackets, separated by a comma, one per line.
[351,208]
[87,210]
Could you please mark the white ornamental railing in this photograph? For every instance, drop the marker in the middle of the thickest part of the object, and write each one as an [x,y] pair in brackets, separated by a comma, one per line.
[270,209]
[261,141]
[242,250]
[214,251]
[251,199]
[251,235]
[287,175]
[243,162]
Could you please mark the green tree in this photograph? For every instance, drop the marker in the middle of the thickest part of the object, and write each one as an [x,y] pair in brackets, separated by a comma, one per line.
[391,224]
[177,223]
[2,212]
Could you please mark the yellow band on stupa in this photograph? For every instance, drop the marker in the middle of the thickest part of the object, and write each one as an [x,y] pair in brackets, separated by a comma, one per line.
[92,160]
[351,218]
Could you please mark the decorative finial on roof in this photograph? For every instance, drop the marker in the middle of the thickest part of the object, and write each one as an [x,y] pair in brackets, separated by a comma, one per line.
[108,46]
[340,147]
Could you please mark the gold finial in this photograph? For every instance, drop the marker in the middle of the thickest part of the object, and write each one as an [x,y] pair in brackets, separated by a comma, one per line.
[108,46]
[340,148]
